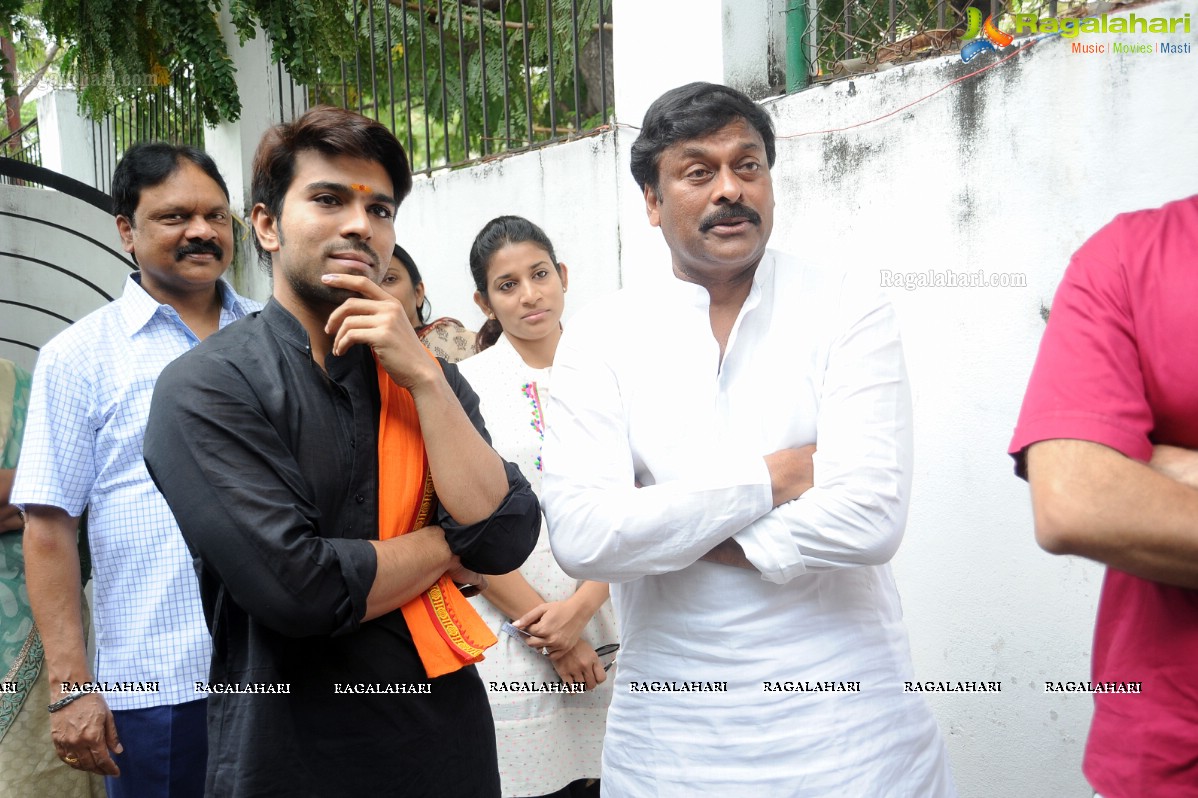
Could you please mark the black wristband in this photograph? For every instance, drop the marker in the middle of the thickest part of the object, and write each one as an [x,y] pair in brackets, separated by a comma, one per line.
[74,695]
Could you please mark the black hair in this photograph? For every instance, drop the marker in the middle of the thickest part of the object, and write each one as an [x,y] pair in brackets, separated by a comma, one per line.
[426,307]
[690,112]
[150,163]
[495,235]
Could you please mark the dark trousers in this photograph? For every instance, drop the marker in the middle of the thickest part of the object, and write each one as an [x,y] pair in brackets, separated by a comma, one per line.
[166,752]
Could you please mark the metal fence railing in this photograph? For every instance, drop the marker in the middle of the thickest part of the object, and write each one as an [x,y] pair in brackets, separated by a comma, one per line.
[170,113]
[146,113]
[23,145]
[842,37]
[462,80]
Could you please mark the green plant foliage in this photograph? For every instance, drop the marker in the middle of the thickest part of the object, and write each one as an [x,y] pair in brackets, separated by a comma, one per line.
[304,34]
[422,64]
[120,50]
[419,62]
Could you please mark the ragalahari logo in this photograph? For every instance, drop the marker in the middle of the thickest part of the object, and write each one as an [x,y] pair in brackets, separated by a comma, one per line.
[992,37]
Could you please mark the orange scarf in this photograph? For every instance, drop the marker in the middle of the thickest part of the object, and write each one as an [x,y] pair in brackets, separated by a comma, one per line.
[447,631]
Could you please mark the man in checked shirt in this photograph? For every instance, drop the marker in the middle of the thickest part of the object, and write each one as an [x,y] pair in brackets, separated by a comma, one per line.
[83,448]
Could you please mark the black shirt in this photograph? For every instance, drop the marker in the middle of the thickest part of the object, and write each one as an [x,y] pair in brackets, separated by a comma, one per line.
[270,466]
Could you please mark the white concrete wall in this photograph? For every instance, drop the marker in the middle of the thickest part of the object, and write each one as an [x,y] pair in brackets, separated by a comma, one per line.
[1008,171]
[67,138]
[567,189]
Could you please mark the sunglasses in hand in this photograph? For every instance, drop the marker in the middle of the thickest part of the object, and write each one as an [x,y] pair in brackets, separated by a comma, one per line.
[609,649]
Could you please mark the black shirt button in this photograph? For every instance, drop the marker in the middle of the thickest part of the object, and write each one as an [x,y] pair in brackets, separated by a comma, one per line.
[360,499]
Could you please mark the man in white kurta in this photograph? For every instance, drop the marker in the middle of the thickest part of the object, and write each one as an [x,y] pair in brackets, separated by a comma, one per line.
[762,644]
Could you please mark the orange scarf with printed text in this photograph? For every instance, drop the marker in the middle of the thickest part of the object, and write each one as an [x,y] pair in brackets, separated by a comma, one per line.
[446,629]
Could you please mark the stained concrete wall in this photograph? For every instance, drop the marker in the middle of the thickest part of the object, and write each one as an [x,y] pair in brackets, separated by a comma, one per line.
[1006,172]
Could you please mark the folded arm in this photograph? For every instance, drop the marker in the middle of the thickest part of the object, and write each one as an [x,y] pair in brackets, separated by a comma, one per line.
[487,509]
[792,473]
[1091,500]
[500,540]
[601,525]
[844,505]
[855,513]
[469,475]
[407,565]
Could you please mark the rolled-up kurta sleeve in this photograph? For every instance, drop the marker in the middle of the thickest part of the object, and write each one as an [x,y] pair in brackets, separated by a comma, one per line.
[245,507]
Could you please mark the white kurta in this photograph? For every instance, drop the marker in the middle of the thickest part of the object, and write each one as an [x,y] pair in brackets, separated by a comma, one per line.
[641,397]
[545,740]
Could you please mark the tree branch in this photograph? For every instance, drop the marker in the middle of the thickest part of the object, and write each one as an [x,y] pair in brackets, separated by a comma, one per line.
[39,73]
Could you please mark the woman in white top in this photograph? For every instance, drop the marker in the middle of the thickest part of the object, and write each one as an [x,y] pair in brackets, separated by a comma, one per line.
[549,741]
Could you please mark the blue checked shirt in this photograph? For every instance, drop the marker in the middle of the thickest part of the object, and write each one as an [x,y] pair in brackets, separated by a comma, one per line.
[83,445]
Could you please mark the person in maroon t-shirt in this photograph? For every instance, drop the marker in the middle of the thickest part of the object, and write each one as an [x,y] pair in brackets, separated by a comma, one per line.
[1108,441]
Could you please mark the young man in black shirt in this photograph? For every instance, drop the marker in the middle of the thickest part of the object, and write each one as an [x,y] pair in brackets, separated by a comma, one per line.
[264,441]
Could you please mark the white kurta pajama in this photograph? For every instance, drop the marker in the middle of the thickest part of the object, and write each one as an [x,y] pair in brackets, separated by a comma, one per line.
[640,397]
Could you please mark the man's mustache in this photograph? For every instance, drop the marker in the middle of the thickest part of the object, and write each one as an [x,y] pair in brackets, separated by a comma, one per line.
[199,248]
[736,211]
[353,246]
